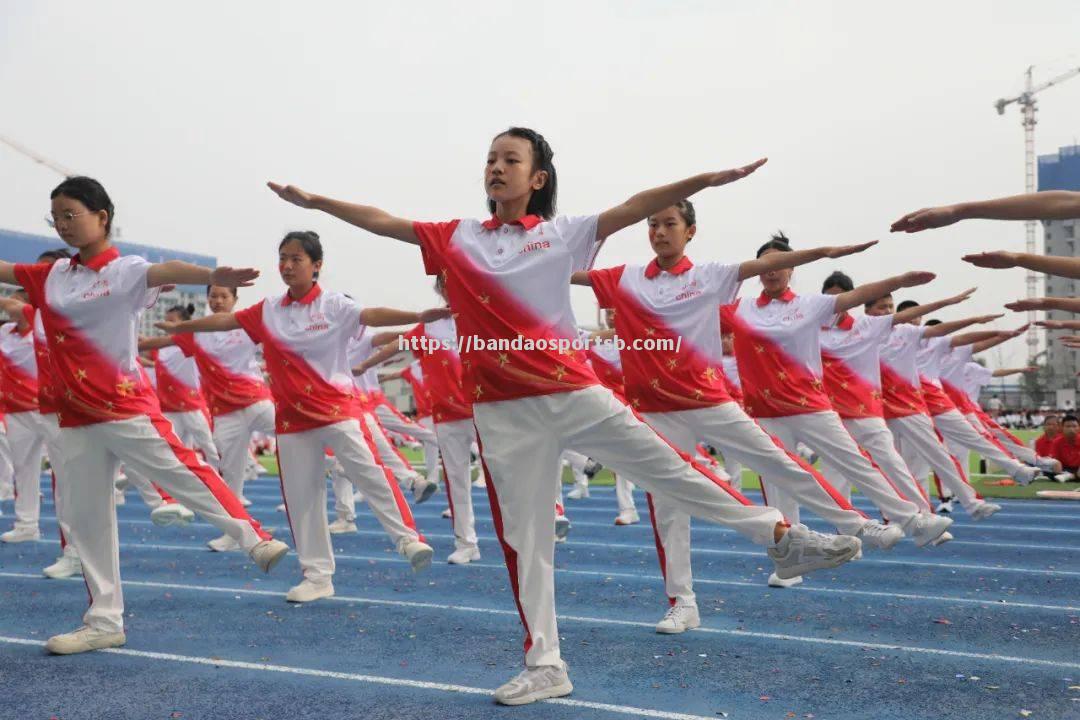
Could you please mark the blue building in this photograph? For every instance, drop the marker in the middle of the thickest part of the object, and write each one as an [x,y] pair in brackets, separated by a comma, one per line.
[1061,171]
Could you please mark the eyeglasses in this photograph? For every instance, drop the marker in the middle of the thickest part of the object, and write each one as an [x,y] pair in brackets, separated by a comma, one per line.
[64,217]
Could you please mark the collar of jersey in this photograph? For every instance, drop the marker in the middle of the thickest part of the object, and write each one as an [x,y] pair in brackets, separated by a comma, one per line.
[309,298]
[653,268]
[99,261]
[786,297]
[528,222]
[845,321]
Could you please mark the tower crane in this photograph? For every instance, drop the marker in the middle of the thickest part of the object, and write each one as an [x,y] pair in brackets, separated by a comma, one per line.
[1027,103]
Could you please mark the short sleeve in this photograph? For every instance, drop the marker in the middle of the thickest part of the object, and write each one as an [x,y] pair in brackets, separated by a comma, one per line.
[133,286]
[344,312]
[579,234]
[878,327]
[251,321]
[32,278]
[604,283]
[722,281]
[940,346]
[434,243]
[962,354]
[908,333]
[978,374]
[186,343]
[28,313]
[821,307]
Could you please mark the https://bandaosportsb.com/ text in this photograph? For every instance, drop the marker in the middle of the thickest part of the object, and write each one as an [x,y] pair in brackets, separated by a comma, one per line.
[475,343]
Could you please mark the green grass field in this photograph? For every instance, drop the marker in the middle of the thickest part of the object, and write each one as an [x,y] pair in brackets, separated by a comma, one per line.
[750,480]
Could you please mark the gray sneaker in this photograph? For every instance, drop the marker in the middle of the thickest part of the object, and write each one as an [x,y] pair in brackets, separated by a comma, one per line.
[537,683]
[983,510]
[879,535]
[802,550]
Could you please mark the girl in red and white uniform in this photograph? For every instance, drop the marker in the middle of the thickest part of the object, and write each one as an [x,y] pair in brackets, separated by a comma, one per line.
[108,413]
[680,390]
[778,348]
[237,396]
[906,413]
[305,333]
[507,278]
[852,363]
[19,399]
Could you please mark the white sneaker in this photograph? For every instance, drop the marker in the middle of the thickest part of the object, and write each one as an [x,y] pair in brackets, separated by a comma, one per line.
[925,528]
[562,528]
[944,507]
[479,482]
[678,619]
[778,582]
[880,536]
[244,501]
[627,517]
[418,553]
[122,482]
[83,640]
[538,683]
[941,539]
[983,510]
[580,492]
[342,526]
[1064,477]
[21,534]
[802,550]
[422,489]
[280,508]
[447,514]
[307,591]
[65,566]
[464,555]
[118,497]
[268,553]
[171,514]
[225,543]
[1026,474]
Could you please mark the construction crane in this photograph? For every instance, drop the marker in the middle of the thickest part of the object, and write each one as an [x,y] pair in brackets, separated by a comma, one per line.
[1026,101]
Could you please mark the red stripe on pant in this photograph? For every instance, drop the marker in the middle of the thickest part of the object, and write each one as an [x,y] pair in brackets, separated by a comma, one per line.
[509,554]
[839,499]
[399,499]
[660,554]
[206,474]
[390,442]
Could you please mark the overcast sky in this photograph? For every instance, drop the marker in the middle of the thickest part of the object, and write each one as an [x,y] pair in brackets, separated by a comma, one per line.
[866,110]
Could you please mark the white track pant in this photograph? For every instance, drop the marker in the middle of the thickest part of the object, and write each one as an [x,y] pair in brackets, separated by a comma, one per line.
[960,436]
[7,470]
[344,493]
[826,435]
[232,436]
[57,451]
[455,439]
[1007,440]
[873,436]
[394,421]
[389,455]
[922,449]
[303,484]
[27,439]
[193,429]
[624,493]
[521,441]
[431,450]
[740,439]
[151,448]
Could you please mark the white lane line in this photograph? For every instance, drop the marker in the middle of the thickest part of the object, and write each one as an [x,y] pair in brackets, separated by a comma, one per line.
[888,595]
[735,553]
[992,657]
[370,679]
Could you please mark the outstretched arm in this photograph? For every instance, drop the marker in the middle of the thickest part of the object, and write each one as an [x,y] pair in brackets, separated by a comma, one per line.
[384,376]
[644,204]
[997,340]
[377,358]
[914,313]
[943,329]
[1067,304]
[783,260]
[1051,265]
[971,338]
[1005,372]
[155,343]
[177,272]
[380,339]
[581,277]
[872,291]
[1050,205]
[1059,324]
[366,217]
[383,317]
[217,322]
[12,306]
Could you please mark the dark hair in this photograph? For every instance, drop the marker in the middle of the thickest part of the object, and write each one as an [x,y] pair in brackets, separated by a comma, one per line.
[54,255]
[309,242]
[543,201]
[932,323]
[779,241]
[90,193]
[686,209]
[838,280]
[1070,418]
[905,305]
[185,311]
[1049,417]
[230,288]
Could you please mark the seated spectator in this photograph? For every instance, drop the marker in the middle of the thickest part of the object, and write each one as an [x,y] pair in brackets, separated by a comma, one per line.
[1043,444]
[1066,446]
